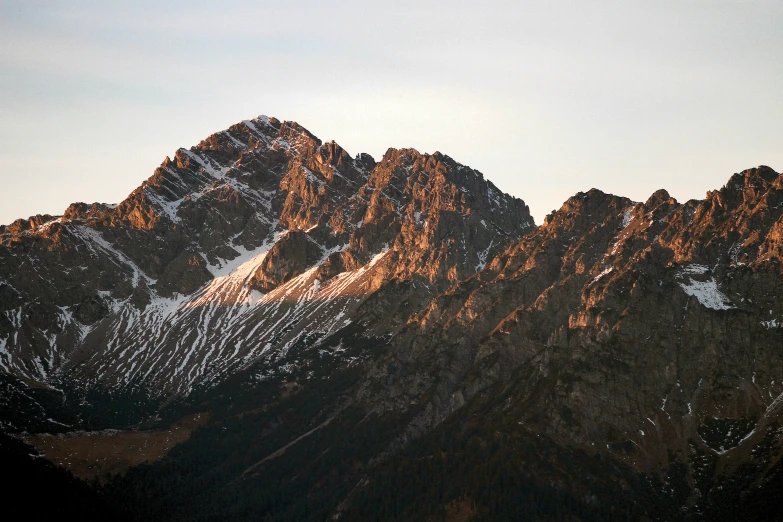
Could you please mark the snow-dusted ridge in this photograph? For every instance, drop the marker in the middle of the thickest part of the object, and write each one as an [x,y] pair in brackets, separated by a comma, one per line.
[175,343]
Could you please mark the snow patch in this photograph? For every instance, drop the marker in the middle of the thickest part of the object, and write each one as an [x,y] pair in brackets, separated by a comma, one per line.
[627,217]
[771,324]
[706,292]
[482,256]
[228,267]
[599,276]
[695,269]
[5,356]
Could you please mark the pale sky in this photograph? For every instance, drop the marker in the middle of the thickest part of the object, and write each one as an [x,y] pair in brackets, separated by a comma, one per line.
[546,98]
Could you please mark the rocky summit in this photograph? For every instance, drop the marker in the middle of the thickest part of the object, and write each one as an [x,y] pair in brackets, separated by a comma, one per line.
[271,329]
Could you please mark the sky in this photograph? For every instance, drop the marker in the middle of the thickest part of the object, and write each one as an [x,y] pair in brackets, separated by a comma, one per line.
[545,98]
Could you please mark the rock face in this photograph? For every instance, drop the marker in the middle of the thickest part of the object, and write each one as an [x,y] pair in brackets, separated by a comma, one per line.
[647,332]
[259,236]
[627,357]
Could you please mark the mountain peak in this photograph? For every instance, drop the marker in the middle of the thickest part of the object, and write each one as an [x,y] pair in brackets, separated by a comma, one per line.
[658,197]
[254,209]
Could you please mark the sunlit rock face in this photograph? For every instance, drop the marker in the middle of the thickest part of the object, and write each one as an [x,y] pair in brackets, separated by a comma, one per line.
[238,248]
[647,331]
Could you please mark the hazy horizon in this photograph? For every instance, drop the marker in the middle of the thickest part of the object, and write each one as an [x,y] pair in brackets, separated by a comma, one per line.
[545,99]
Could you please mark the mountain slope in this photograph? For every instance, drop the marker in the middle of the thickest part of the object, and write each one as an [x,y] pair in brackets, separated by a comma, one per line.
[258,238]
[617,362]
[646,333]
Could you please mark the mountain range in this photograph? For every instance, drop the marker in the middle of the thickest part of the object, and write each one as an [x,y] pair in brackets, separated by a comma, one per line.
[268,328]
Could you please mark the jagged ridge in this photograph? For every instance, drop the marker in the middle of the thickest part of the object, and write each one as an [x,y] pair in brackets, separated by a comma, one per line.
[258,237]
